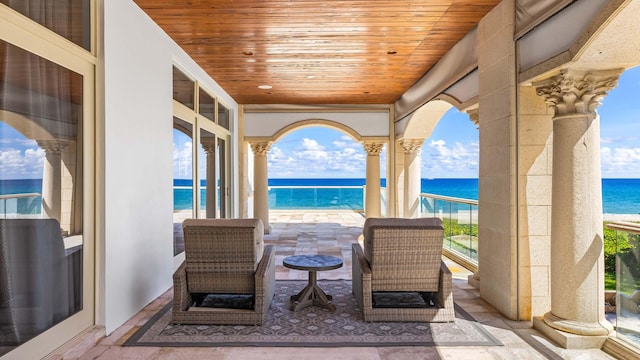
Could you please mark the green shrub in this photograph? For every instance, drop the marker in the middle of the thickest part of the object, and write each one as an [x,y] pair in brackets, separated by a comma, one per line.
[611,246]
[452,228]
[626,247]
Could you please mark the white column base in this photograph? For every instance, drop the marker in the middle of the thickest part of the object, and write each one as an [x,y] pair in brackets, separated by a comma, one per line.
[568,340]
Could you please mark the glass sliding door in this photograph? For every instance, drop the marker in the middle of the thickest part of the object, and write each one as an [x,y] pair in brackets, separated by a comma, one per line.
[46,194]
[41,244]
[212,173]
[201,155]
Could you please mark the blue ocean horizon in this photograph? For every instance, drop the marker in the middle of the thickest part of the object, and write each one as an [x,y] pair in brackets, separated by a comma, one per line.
[619,196]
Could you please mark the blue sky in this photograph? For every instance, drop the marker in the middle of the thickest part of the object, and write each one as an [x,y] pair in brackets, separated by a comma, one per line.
[450,152]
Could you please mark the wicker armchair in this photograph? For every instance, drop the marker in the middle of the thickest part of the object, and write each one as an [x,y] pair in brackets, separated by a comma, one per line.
[402,259]
[223,256]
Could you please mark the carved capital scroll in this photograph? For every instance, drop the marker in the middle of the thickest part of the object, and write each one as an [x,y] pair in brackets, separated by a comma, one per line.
[411,146]
[373,148]
[52,146]
[575,92]
[261,148]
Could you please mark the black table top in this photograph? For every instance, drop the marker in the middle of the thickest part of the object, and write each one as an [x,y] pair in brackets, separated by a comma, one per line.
[312,262]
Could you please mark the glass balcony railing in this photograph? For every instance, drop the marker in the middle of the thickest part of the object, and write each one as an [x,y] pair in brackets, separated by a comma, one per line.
[460,219]
[20,205]
[627,282]
[316,198]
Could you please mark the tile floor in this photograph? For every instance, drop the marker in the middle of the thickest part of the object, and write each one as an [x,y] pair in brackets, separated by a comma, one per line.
[332,234]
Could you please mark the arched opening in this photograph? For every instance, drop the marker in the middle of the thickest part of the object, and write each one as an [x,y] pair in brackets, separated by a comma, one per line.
[318,166]
[620,166]
[21,169]
[450,157]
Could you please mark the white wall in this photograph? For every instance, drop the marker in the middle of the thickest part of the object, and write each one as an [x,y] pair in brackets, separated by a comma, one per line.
[137,249]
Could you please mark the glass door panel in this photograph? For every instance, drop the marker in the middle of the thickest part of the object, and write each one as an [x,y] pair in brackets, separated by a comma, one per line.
[70,19]
[208,175]
[183,189]
[42,240]
[206,105]
[222,174]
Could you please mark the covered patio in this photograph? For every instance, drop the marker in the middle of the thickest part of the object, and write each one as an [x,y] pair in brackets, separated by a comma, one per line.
[124,80]
[332,233]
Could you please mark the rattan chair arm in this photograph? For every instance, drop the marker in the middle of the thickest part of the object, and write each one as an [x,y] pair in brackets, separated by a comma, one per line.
[180,289]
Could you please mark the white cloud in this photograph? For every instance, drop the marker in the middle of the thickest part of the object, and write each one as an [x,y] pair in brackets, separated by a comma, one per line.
[621,162]
[339,158]
[311,145]
[441,161]
[182,161]
[346,142]
[17,164]
[311,151]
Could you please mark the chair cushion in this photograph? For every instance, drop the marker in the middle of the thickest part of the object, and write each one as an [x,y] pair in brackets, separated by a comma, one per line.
[401,299]
[229,301]
[404,254]
[225,233]
[373,223]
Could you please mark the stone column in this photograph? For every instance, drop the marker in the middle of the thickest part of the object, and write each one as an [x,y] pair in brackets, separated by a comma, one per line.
[212,184]
[577,260]
[52,178]
[261,188]
[372,190]
[412,180]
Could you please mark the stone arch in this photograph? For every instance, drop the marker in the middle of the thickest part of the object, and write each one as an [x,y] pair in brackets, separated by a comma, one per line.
[25,125]
[316,122]
[421,123]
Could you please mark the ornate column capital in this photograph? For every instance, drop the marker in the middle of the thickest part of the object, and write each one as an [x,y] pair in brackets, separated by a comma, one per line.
[260,148]
[474,116]
[52,146]
[577,92]
[411,146]
[373,148]
[209,146]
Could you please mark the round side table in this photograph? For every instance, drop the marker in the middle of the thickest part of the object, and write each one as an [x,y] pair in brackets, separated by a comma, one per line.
[312,294]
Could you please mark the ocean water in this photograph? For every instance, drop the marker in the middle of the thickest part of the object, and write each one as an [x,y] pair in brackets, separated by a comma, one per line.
[620,196]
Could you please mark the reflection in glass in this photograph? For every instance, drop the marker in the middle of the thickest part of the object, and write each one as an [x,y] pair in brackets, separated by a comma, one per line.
[221,173]
[41,242]
[183,88]
[208,174]
[182,180]
[70,19]
[223,116]
[207,105]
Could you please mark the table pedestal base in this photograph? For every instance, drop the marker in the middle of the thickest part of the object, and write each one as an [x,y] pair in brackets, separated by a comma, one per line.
[312,294]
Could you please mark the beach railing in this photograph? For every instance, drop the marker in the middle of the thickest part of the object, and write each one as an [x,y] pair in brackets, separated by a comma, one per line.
[19,205]
[627,294]
[460,219]
[316,198]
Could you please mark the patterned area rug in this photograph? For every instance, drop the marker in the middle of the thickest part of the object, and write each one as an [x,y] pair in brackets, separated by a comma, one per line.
[314,327]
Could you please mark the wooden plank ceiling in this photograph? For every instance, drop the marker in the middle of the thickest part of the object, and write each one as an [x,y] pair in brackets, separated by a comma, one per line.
[316,52]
